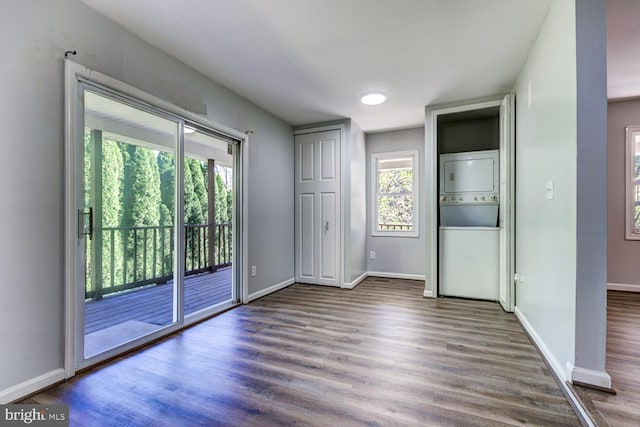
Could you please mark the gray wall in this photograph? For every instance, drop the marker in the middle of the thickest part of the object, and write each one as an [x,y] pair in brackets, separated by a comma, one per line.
[546,150]
[591,210]
[561,137]
[33,38]
[399,255]
[623,255]
[358,205]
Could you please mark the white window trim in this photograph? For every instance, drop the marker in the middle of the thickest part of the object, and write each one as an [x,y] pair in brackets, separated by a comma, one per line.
[374,193]
[630,230]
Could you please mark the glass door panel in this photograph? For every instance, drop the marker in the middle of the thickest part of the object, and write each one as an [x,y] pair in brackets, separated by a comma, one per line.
[208,215]
[129,196]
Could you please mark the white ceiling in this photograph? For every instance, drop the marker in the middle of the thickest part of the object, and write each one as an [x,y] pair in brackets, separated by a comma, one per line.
[309,61]
[623,48]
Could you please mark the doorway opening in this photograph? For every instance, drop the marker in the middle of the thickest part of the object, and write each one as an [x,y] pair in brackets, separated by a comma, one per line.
[472,192]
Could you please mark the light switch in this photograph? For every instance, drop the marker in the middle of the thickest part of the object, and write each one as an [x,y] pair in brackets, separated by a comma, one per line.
[549,190]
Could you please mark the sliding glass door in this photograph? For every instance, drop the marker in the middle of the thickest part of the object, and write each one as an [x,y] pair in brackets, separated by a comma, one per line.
[208,219]
[129,193]
[156,236]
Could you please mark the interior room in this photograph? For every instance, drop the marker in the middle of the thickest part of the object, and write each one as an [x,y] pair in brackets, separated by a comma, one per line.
[350,212]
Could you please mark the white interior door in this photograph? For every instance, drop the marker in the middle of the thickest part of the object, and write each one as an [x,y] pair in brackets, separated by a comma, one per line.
[317,207]
[507,203]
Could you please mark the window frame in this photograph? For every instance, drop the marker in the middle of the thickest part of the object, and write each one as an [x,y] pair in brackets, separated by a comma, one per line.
[374,193]
[631,231]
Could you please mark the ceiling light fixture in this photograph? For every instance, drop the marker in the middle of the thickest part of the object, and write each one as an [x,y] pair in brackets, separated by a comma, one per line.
[375,98]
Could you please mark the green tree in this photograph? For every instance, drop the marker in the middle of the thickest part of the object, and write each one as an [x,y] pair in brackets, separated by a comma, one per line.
[395,204]
[229,205]
[166,169]
[200,196]
[140,208]
[112,177]
[142,200]
[221,201]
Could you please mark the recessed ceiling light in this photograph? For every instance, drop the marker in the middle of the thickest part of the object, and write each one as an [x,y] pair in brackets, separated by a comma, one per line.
[187,129]
[373,98]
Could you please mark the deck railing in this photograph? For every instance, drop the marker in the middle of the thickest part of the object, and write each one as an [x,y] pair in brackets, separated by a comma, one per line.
[138,256]
[394,227]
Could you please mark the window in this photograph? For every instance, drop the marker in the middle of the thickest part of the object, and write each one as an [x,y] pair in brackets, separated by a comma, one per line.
[632,216]
[394,182]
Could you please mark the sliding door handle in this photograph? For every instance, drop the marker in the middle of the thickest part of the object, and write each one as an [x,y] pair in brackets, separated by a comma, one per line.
[326,227]
[82,228]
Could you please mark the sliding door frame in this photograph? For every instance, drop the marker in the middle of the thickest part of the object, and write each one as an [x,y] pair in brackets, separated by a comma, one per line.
[77,77]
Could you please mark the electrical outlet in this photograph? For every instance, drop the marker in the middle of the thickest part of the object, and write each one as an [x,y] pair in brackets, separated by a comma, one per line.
[372,255]
[254,271]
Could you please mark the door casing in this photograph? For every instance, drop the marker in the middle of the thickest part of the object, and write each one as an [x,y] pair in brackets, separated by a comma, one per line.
[339,214]
[431,192]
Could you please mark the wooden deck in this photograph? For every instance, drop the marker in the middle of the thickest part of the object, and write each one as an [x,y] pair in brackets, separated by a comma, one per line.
[154,305]
[377,355]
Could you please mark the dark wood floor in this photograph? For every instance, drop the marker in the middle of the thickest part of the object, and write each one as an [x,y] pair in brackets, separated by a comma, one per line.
[623,364]
[378,355]
[155,304]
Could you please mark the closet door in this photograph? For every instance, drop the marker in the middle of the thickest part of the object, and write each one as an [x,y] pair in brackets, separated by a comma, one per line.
[317,208]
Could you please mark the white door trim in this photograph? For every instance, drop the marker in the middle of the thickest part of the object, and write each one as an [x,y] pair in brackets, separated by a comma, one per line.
[343,171]
[431,176]
[507,201]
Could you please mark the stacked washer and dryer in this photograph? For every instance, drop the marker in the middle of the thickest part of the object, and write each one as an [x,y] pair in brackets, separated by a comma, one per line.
[469,236]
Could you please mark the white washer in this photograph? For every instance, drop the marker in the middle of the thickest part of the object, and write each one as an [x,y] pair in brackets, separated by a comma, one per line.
[469,262]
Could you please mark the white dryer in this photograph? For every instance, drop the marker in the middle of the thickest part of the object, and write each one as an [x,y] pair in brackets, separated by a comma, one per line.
[469,189]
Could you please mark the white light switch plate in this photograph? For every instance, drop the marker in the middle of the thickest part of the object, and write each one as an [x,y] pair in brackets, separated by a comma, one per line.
[549,190]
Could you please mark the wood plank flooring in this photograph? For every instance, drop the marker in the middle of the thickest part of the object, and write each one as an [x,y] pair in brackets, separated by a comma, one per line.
[377,355]
[623,364]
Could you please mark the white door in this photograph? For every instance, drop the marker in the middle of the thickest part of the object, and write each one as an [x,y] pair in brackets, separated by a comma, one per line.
[317,208]
[507,203]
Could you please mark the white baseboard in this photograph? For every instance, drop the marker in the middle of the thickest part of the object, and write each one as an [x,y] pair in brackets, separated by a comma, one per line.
[591,377]
[270,289]
[623,287]
[396,275]
[31,386]
[427,294]
[557,367]
[351,285]
[562,375]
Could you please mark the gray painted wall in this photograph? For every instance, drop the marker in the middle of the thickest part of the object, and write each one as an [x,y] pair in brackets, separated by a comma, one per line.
[561,137]
[546,150]
[34,40]
[623,255]
[591,251]
[358,203]
[400,255]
